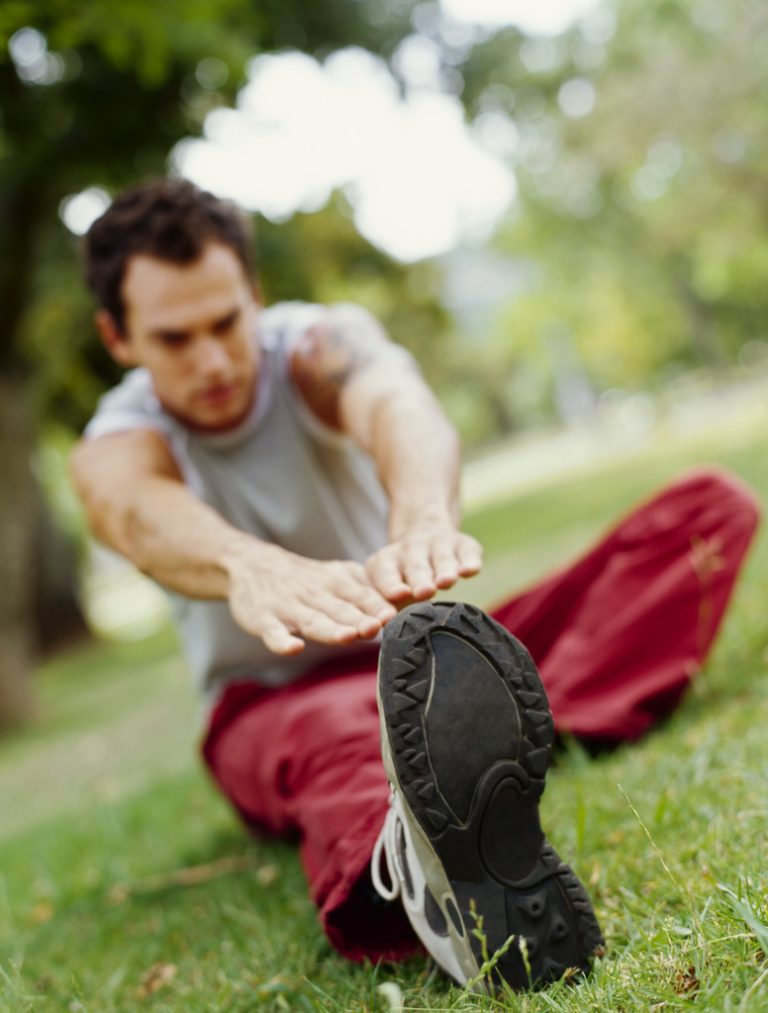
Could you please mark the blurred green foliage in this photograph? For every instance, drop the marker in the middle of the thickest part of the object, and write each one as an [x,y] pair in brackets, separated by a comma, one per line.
[321,257]
[636,251]
[637,138]
[95,95]
[640,152]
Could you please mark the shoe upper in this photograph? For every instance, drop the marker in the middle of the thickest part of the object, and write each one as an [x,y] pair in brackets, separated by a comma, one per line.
[408,882]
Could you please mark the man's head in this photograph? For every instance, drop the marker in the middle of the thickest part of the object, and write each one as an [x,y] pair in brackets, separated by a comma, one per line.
[169,266]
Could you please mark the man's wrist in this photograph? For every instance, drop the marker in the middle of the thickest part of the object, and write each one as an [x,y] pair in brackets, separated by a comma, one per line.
[411,518]
[243,550]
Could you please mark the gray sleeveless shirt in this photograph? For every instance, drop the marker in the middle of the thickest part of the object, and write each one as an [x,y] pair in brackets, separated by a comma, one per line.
[281,475]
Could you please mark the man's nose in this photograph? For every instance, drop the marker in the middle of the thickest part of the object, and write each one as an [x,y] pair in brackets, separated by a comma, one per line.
[212,358]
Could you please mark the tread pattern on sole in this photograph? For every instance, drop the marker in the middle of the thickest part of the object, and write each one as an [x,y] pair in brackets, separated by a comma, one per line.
[547,905]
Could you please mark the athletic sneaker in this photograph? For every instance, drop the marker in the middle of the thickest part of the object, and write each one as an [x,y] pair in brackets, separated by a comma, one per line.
[466,741]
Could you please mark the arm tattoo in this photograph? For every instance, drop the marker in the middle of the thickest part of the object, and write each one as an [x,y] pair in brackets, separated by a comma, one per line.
[344,358]
[327,358]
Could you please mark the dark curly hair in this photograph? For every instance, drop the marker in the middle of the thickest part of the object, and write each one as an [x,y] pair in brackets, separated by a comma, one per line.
[171,219]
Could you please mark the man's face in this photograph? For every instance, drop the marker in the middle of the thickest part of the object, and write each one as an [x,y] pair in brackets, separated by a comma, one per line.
[192,327]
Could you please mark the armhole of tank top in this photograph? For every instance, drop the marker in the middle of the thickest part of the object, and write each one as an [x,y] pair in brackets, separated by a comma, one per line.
[134,423]
[141,412]
[122,422]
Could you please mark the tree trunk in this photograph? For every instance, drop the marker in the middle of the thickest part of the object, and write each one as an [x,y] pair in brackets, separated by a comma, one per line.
[16,537]
[57,618]
[21,205]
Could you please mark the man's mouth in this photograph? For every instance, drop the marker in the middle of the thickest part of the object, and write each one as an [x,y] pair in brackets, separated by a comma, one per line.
[218,394]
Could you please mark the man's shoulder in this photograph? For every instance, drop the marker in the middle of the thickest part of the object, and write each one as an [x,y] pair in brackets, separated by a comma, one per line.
[130,404]
[283,322]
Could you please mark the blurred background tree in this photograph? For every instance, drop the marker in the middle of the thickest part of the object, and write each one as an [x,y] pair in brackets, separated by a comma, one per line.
[634,254]
[98,95]
[641,159]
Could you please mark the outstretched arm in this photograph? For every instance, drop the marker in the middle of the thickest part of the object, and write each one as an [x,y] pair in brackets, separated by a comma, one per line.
[137,504]
[355,379]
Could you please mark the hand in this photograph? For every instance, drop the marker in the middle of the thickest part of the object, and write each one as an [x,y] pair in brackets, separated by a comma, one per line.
[421,562]
[286,599]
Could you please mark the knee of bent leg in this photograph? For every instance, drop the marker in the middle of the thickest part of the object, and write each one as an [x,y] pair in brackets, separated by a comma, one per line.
[717,489]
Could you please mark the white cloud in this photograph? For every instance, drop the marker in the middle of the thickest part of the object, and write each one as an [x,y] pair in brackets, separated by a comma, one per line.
[417,178]
[576,97]
[429,181]
[80,210]
[545,17]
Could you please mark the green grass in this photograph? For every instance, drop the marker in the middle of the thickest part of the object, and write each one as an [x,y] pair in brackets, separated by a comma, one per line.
[103,803]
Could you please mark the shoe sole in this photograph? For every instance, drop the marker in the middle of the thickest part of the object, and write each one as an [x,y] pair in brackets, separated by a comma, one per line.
[454,683]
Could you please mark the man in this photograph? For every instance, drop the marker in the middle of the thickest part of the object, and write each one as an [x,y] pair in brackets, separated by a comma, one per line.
[287,475]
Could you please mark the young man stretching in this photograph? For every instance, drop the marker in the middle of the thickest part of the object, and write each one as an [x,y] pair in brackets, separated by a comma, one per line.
[288,477]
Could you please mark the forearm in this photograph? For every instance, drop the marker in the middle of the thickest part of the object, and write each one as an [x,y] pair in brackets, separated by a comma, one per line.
[370,391]
[138,504]
[355,379]
[418,457]
[175,538]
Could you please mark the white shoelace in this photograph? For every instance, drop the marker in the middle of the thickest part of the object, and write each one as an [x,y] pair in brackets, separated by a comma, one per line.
[386,842]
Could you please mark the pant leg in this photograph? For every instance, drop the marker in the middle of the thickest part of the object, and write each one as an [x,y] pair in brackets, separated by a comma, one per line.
[619,635]
[306,758]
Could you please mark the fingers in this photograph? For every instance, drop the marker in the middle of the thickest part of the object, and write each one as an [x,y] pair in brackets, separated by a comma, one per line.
[330,603]
[457,555]
[418,570]
[454,556]
[358,590]
[417,566]
[348,615]
[285,634]
[313,623]
[384,570]
[445,562]
[470,556]
[403,571]
[341,602]
[277,637]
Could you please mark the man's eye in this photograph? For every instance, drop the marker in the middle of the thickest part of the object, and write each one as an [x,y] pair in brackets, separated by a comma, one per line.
[226,323]
[173,340]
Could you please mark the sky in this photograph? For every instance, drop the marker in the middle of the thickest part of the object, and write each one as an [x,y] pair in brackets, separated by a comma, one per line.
[419,179]
[544,16]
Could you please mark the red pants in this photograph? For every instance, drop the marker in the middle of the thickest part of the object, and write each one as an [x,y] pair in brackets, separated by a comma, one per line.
[617,637]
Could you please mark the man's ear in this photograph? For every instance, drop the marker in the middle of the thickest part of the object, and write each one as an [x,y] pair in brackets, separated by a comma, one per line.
[115,341]
[256,291]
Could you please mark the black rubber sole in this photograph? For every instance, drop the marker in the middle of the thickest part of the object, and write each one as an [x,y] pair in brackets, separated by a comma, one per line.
[470,737]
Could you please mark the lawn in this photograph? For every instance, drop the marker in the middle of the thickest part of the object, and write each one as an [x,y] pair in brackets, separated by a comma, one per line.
[126,884]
